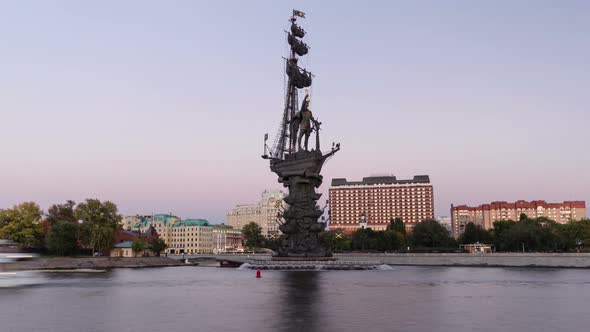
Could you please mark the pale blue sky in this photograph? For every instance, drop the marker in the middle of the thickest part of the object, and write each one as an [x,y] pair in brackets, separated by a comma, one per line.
[161,106]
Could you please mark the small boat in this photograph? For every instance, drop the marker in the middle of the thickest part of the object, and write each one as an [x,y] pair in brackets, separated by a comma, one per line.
[10,273]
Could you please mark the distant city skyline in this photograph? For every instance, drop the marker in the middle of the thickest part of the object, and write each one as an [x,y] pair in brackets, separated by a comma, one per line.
[152,105]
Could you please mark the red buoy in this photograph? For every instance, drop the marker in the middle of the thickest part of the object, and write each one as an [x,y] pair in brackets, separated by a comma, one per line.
[258,273]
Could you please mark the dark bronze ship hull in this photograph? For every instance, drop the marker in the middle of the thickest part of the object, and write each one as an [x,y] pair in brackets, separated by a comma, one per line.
[300,172]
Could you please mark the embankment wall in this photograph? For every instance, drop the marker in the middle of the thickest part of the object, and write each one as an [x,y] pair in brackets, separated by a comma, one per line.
[575,260]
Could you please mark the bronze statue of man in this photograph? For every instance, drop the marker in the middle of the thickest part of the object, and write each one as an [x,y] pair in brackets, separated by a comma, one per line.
[306,118]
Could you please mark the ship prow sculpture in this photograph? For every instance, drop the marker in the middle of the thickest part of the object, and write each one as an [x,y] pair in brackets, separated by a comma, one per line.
[297,166]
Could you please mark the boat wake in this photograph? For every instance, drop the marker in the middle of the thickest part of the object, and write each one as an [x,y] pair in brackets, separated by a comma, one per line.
[20,279]
[384,267]
[246,266]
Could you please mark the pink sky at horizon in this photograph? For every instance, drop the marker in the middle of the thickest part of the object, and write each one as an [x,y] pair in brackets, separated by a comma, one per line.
[160,112]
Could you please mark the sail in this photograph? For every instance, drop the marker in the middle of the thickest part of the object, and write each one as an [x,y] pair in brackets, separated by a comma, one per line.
[297,31]
[297,46]
[300,79]
[303,81]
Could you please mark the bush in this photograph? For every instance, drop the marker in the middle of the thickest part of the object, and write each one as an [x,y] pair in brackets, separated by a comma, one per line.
[62,240]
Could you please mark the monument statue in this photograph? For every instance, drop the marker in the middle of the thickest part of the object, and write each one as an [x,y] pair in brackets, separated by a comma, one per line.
[305,119]
[298,168]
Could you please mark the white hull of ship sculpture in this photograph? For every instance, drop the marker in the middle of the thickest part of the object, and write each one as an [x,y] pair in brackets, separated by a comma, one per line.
[297,166]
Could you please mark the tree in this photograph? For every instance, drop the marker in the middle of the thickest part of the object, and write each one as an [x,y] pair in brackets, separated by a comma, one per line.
[475,233]
[61,212]
[550,237]
[101,238]
[97,212]
[393,241]
[397,225]
[430,233]
[336,240]
[21,224]
[252,235]
[501,234]
[366,239]
[84,230]
[62,238]
[138,246]
[363,239]
[157,246]
[531,234]
[102,220]
[274,243]
[575,234]
[523,234]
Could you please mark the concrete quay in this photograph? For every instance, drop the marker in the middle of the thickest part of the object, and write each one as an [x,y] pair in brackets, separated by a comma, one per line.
[553,260]
[54,264]
[266,264]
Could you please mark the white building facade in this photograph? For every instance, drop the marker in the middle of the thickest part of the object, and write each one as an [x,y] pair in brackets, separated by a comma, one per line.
[264,213]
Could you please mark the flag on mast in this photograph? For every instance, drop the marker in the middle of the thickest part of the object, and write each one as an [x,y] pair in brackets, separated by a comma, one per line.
[298,13]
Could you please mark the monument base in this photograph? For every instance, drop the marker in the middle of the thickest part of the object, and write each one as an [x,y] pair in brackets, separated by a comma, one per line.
[311,264]
[303,259]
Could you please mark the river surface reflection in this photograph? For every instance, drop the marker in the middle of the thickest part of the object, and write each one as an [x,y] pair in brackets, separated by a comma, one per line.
[214,299]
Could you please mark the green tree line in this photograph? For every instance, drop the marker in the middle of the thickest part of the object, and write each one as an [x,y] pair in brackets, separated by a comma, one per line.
[426,234]
[530,234]
[67,227]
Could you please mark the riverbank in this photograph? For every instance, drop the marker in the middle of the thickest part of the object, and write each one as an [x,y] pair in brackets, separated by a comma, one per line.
[78,263]
[555,260]
[551,260]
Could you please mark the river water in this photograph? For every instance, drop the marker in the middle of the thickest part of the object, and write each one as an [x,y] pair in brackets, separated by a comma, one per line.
[216,299]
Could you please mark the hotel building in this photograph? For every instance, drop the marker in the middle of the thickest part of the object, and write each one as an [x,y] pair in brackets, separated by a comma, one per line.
[485,214]
[264,213]
[376,200]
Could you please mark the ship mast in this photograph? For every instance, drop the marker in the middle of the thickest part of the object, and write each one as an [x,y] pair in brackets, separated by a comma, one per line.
[286,140]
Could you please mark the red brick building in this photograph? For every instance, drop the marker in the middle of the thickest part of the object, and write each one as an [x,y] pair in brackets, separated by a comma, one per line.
[485,214]
[376,200]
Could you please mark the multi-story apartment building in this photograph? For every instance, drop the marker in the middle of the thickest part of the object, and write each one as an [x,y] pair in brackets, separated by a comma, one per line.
[376,200]
[485,214]
[191,236]
[227,239]
[264,213]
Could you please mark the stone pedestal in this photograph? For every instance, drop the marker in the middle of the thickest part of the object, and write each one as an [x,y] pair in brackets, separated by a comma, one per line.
[303,259]
[300,172]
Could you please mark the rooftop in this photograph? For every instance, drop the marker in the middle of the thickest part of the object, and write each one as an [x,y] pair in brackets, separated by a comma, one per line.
[521,204]
[191,222]
[380,180]
[129,244]
[164,218]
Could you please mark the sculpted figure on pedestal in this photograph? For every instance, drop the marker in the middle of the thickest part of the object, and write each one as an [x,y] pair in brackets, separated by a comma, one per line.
[305,128]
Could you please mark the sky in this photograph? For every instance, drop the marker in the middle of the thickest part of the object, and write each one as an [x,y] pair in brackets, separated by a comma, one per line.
[162,106]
